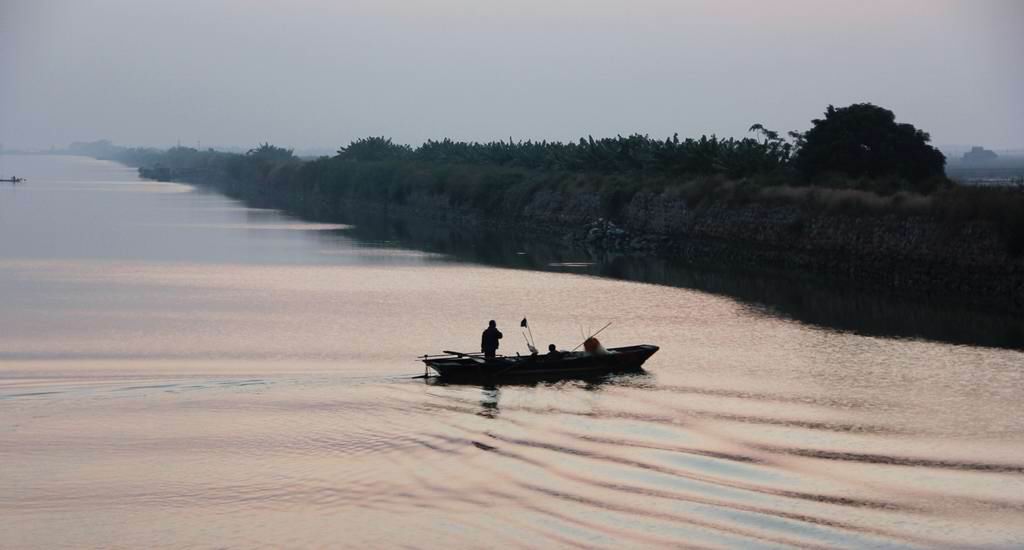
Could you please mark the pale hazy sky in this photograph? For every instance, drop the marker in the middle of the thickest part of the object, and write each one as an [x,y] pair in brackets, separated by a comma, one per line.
[318,73]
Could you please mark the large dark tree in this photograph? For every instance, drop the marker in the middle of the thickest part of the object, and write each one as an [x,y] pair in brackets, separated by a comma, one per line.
[864,140]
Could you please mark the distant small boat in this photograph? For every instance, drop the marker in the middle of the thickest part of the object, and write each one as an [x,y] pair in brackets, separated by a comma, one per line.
[473,367]
[12,179]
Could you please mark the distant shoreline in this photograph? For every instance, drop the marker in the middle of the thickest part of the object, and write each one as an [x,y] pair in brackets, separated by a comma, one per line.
[962,245]
[962,262]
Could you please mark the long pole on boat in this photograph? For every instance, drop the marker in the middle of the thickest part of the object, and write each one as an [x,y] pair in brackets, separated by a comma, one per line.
[526,324]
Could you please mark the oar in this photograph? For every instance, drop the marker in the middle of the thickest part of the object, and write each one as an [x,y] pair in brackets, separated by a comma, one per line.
[466,355]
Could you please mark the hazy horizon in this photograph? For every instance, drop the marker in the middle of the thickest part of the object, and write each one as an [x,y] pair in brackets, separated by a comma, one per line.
[317,74]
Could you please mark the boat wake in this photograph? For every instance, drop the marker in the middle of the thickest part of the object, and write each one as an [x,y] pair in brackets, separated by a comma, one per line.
[621,461]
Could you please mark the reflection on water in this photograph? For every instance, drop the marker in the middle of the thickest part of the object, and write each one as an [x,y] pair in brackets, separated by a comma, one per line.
[179,370]
[775,294]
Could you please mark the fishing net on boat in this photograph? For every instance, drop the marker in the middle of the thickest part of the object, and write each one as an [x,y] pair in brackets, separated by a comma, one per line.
[593,346]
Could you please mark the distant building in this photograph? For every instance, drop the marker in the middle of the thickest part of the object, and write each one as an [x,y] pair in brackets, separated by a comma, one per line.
[979,154]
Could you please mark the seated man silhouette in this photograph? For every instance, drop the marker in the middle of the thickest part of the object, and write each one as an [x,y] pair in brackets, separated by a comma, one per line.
[553,352]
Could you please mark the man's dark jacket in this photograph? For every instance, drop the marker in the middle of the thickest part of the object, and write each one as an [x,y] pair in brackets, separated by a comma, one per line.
[489,339]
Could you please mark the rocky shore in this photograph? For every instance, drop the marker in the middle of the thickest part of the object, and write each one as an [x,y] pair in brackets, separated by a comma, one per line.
[965,264]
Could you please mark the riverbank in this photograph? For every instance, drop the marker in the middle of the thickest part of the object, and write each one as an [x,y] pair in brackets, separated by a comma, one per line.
[834,234]
[958,245]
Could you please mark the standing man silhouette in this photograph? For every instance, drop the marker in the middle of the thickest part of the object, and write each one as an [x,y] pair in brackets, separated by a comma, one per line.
[489,340]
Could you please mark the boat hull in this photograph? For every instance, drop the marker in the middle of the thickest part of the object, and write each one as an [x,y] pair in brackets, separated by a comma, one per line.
[541,367]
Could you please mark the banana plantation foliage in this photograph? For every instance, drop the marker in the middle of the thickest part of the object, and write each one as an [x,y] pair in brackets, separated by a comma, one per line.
[859,146]
[636,153]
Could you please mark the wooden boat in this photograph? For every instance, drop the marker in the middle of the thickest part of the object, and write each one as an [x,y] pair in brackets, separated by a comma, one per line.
[473,367]
[12,179]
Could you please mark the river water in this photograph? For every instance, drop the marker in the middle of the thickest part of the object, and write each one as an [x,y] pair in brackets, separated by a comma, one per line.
[180,370]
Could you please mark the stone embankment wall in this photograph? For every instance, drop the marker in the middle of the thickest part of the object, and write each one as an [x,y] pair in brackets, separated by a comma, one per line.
[964,263]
